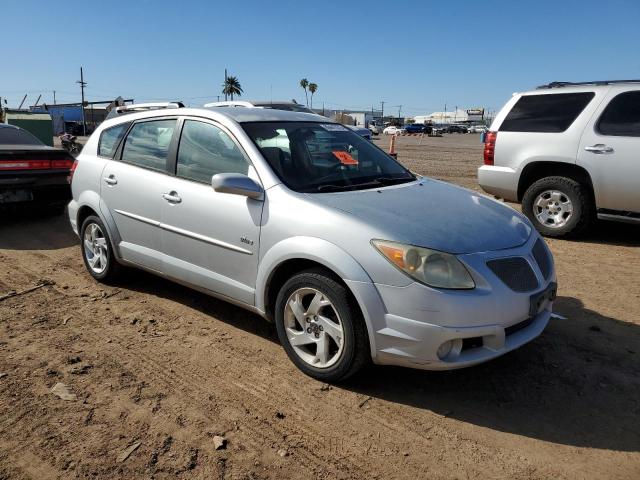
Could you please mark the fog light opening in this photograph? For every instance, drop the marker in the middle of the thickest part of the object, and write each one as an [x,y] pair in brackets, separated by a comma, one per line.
[450,349]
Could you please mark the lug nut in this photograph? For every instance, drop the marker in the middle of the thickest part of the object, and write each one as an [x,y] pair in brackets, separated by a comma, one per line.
[320,328]
[308,330]
[315,317]
[317,335]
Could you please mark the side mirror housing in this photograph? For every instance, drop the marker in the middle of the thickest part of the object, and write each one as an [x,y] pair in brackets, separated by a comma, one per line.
[236,184]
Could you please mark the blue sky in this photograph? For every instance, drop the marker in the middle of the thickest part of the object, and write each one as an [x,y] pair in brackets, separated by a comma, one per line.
[420,54]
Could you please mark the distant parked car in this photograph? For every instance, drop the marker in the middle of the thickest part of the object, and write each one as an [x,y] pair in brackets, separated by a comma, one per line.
[375,130]
[31,173]
[455,128]
[393,130]
[477,129]
[414,128]
[569,153]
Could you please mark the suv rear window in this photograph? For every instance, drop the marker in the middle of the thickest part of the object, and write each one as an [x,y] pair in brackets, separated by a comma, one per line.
[621,118]
[550,113]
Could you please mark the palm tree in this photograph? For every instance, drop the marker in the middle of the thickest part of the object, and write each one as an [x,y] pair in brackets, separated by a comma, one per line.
[313,88]
[232,87]
[304,83]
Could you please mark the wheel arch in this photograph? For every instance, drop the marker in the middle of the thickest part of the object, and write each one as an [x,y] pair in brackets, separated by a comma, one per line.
[534,171]
[88,204]
[301,253]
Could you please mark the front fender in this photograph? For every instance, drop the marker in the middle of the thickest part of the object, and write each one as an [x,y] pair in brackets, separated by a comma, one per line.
[335,259]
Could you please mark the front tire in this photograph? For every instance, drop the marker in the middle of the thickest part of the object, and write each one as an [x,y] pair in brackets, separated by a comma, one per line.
[97,252]
[558,206]
[320,326]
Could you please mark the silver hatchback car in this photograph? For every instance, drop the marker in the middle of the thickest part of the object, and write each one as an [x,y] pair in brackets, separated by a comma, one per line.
[299,219]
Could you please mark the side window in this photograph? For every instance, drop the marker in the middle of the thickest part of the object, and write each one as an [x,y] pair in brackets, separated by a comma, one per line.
[621,118]
[110,138]
[147,144]
[549,113]
[205,150]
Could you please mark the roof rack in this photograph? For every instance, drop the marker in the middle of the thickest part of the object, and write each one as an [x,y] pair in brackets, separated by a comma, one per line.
[232,103]
[594,82]
[141,107]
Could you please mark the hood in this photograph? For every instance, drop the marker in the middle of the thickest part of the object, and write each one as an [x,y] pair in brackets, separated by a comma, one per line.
[435,215]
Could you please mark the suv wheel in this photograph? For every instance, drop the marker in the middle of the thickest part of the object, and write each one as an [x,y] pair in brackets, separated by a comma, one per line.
[321,327]
[558,206]
[96,250]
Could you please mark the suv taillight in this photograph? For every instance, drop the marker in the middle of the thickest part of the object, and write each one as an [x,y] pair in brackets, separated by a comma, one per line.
[72,170]
[489,147]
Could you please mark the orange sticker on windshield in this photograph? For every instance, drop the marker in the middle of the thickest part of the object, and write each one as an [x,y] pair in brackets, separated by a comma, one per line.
[345,158]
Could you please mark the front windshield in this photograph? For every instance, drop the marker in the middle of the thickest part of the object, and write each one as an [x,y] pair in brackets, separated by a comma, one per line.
[321,157]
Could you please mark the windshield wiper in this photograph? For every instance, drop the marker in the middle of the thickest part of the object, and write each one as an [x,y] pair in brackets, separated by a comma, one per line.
[394,180]
[357,186]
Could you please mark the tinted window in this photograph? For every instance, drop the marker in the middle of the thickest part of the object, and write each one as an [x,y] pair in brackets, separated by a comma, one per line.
[205,150]
[17,136]
[110,138]
[147,144]
[545,113]
[321,157]
[622,116]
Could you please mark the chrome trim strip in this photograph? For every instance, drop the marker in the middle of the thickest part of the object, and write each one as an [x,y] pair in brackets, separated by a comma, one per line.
[186,233]
[618,218]
[146,220]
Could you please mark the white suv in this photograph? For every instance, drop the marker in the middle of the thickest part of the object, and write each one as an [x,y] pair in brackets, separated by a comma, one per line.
[569,153]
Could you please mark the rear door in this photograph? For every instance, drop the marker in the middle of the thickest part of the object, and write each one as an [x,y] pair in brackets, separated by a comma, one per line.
[132,187]
[610,151]
[210,239]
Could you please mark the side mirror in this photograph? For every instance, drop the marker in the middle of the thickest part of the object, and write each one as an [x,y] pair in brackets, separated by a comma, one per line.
[236,184]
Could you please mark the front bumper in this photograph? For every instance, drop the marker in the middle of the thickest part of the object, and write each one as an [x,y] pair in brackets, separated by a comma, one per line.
[408,324]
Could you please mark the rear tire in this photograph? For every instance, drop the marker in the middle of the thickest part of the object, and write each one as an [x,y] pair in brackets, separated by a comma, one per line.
[558,206]
[97,252]
[301,332]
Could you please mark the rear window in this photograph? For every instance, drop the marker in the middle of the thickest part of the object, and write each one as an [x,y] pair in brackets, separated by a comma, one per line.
[17,136]
[621,118]
[549,113]
[110,138]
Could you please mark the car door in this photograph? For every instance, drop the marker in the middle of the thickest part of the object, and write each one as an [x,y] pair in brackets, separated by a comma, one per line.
[133,185]
[211,239]
[610,151]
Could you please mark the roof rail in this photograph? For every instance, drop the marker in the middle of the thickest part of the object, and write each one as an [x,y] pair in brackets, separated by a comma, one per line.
[593,82]
[140,107]
[232,103]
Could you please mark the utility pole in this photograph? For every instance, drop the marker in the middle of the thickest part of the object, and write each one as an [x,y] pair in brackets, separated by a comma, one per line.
[82,85]
[399,110]
[54,97]
[225,84]
[382,113]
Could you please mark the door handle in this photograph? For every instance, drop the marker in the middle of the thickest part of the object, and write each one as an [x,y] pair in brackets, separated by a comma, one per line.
[599,148]
[172,197]
[110,180]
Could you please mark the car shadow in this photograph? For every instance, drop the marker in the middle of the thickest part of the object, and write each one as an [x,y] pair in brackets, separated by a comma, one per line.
[33,230]
[578,384]
[612,233]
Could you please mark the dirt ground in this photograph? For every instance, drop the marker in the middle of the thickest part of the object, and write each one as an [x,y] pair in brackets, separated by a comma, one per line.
[158,371]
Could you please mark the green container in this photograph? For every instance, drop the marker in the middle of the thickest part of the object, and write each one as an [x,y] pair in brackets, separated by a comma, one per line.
[39,124]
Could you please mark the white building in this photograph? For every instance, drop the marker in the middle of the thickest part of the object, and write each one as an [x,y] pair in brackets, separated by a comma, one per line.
[443,117]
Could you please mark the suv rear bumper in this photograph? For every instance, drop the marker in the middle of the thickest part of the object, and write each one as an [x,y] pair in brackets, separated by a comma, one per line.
[499,181]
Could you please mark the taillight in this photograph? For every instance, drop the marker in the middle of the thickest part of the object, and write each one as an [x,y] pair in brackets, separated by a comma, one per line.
[490,147]
[72,171]
[36,164]
[67,163]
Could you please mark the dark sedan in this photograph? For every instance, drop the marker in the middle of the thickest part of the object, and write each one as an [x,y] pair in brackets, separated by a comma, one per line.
[31,173]
[414,128]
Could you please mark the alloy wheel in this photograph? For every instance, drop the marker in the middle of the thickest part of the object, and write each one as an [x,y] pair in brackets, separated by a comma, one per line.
[95,248]
[313,327]
[552,208]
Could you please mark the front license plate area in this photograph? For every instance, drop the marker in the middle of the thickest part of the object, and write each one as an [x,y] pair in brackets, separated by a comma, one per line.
[538,301]
[15,196]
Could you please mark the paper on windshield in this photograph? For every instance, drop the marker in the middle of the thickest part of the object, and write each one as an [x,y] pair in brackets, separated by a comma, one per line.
[344,157]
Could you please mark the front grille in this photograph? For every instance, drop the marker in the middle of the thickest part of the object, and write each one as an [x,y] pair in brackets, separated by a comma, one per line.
[541,254]
[515,272]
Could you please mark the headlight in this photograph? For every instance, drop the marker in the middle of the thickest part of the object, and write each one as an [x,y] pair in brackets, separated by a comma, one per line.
[431,267]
